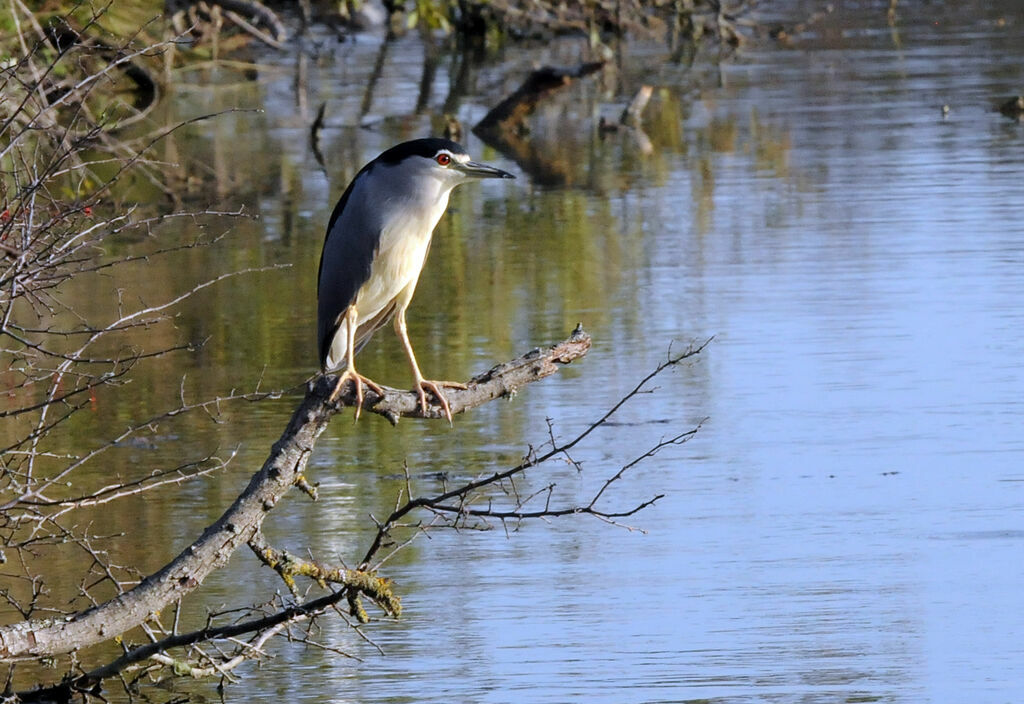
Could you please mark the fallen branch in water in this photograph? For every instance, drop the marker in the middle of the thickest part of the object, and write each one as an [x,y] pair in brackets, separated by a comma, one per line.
[505,126]
[510,114]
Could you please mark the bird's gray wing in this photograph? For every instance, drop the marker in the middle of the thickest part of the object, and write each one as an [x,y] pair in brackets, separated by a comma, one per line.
[365,330]
[353,235]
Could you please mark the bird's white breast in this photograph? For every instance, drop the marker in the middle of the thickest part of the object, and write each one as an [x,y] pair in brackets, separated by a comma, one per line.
[406,229]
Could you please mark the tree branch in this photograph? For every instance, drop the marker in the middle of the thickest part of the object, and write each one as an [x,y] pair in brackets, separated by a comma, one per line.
[239,524]
[462,493]
[501,380]
[288,566]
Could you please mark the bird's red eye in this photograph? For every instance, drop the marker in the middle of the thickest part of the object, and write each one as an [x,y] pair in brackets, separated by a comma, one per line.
[443,159]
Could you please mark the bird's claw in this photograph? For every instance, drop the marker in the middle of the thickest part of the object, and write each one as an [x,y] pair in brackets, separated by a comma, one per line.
[434,387]
[358,381]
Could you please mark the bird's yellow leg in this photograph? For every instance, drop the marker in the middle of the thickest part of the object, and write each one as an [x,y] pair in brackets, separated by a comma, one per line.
[421,385]
[351,318]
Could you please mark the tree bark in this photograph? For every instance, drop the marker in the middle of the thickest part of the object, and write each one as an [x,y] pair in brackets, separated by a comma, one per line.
[282,469]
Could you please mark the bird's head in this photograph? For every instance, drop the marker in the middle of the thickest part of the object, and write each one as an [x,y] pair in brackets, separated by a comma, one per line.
[442,161]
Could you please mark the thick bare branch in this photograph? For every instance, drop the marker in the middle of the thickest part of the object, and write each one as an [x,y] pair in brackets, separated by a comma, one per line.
[238,525]
[502,380]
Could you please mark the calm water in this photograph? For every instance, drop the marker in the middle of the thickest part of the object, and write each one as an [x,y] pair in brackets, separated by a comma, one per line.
[849,522]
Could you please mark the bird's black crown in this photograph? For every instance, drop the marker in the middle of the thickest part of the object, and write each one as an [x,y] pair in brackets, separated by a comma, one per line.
[426,147]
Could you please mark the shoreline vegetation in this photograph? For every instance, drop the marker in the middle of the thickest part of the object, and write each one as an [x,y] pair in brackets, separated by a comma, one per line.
[142,41]
[89,72]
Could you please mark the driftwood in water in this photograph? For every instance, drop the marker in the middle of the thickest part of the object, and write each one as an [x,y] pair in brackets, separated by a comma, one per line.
[504,127]
[511,113]
[629,121]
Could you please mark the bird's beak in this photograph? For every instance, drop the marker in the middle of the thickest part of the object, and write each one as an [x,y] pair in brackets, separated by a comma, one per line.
[476,170]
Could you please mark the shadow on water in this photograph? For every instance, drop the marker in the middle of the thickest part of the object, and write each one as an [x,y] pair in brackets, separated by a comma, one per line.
[846,526]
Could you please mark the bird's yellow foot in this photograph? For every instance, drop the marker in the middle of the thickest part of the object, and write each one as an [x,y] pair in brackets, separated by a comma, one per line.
[434,387]
[358,380]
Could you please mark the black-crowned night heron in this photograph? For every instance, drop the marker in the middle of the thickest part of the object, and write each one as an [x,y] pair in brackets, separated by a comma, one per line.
[377,241]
